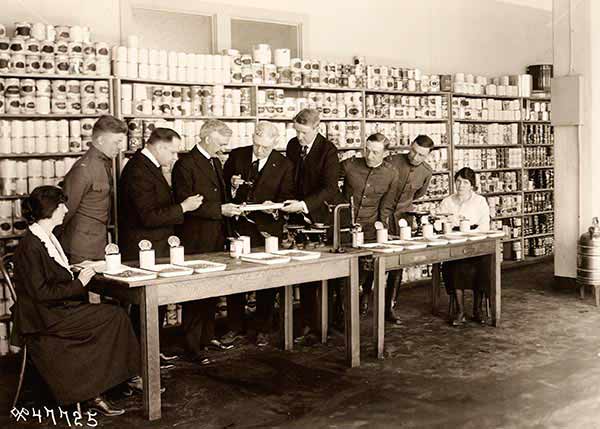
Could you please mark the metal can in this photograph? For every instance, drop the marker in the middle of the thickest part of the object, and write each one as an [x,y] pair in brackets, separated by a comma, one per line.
[33,64]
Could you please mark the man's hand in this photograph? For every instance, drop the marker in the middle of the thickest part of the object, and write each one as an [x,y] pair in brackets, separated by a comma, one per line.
[293,206]
[271,211]
[192,203]
[230,210]
[236,181]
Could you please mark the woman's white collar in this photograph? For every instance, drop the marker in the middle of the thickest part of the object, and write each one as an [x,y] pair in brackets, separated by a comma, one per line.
[55,250]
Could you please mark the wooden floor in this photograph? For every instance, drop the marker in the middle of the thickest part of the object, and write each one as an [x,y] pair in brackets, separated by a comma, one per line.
[540,369]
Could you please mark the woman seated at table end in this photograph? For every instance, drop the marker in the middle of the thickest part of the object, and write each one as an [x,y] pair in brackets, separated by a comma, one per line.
[81,350]
[470,273]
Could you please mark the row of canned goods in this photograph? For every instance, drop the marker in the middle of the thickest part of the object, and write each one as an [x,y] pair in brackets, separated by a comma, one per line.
[43,96]
[215,100]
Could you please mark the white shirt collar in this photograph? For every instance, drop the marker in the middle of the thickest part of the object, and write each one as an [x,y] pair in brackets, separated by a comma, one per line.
[151,157]
[203,152]
[309,147]
[261,162]
[55,250]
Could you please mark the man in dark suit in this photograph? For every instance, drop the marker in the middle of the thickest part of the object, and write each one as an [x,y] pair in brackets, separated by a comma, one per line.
[316,173]
[257,174]
[147,208]
[205,229]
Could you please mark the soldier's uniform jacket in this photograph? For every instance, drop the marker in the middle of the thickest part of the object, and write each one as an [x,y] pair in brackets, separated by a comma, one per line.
[88,186]
[374,191]
[412,184]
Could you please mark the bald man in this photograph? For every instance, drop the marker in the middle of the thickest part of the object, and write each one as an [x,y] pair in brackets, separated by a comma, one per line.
[255,174]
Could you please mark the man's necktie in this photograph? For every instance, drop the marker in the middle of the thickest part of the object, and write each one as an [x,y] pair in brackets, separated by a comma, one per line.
[253,172]
[300,171]
[216,165]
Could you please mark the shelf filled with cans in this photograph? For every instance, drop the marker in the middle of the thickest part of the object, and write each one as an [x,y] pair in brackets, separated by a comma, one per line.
[46,123]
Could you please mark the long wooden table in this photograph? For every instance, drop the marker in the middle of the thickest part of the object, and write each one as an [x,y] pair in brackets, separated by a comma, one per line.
[239,277]
[490,248]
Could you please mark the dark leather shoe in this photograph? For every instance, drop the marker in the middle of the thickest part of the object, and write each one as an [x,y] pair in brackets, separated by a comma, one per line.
[262,340]
[102,406]
[137,385]
[218,345]
[391,317]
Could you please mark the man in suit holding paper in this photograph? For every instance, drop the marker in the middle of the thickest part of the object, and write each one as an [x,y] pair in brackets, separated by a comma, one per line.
[205,229]
[258,174]
[316,173]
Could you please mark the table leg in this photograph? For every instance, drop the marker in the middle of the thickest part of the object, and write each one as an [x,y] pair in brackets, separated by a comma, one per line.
[435,289]
[288,318]
[150,351]
[495,284]
[379,305]
[352,316]
[324,313]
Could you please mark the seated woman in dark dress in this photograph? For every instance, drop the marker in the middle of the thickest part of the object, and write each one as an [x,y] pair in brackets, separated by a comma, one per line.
[470,273]
[81,350]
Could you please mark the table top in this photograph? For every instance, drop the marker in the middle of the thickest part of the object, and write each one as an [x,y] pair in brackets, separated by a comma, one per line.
[236,266]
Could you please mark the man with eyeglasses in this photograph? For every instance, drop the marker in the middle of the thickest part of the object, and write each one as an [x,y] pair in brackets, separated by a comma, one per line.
[257,174]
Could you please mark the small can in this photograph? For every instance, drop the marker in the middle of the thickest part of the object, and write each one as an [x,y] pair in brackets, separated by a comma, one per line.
[87,88]
[17,64]
[236,248]
[61,47]
[27,87]
[43,87]
[62,64]
[59,89]
[88,105]
[75,48]
[63,32]
[48,65]
[75,64]
[47,47]
[73,89]
[59,106]
[22,29]
[13,104]
[74,105]
[4,45]
[17,45]
[33,64]
[32,46]
[42,105]
[90,66]
[89,49]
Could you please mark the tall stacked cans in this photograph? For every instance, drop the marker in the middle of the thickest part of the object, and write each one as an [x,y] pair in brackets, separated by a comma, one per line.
[39,48]
[196,100]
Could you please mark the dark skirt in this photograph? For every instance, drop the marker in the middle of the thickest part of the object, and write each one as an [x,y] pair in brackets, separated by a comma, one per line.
[92,349]
[470,273]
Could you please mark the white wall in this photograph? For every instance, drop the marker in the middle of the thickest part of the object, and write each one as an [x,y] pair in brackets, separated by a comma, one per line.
[478,36]
[577,153]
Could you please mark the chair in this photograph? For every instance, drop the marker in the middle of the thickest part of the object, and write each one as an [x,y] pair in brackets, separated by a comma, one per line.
[6,269]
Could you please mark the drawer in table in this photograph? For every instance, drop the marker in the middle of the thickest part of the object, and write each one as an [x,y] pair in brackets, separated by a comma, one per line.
[473,249]
[426,256]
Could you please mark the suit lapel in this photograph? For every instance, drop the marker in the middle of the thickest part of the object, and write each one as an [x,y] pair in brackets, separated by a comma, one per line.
[204,165]
[271,165]
[155,171]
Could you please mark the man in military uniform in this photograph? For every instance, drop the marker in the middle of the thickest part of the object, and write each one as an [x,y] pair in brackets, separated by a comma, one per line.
[373,184]
[89,188]
[414,176]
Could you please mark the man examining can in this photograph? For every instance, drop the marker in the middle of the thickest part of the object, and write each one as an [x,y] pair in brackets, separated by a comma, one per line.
[414,175]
